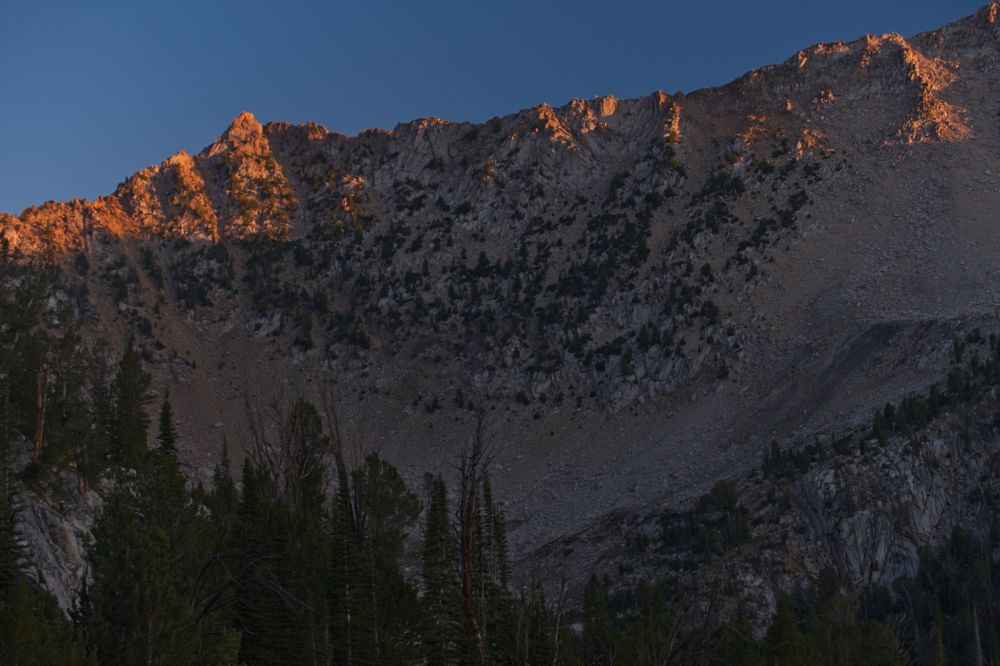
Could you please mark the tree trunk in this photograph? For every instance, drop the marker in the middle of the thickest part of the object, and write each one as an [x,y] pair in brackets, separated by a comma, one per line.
[42,385]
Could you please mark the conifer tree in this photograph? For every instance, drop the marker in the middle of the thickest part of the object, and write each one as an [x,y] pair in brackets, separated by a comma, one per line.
[129,422]
[497,614]
[135,611]
[441,595]
[647,639]
[67,416]
[32,627]
[94,453]
[151,545]
[279,589]
[261,612]
[879,428]
[496,525]
[536,635]
[282,600]
[308,446]
[167,436]
[383,509]
[308,571]
[469,531]
[597,639]
[11,552]
[224,499]
[384,506]
[785,642]
[350,624]
[735,644]
[34,632]
[22,346]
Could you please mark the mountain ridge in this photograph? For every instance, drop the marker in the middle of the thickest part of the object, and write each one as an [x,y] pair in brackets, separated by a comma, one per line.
[642,294]
[984,20]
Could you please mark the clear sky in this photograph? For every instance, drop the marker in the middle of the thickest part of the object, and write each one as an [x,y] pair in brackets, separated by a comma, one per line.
[90,92]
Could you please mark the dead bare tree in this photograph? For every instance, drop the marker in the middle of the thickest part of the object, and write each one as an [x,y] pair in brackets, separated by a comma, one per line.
[345,461]
[560,607]
[350,502]
[41,399]
[474,459]
[289,449]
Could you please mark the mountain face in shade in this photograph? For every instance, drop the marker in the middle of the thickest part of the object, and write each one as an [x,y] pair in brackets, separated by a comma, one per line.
[639,295]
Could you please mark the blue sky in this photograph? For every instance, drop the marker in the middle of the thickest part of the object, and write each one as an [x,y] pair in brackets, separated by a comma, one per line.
[92,91]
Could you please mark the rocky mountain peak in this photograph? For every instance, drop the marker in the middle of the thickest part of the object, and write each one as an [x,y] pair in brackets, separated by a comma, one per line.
[973,36]
[180,159]
[245,132]
[987,16]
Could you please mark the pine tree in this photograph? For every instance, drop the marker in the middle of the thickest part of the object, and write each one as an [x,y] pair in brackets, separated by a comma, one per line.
[879,428]
[938,654]
[224,499]
[22,347]
[151,547]
[351,623]
[646,641]
[212,593]
[130,423]
[278,589]
[384,508]
[282,600]
[536,633]
[735,644]
[167,436]
[878,646]
[33,629]
[261,607]
[598,645]
[307,578]
[441,595]
[308,446]
[785,643]
[497,614]
[161,492]
[93,454]
[135,610]
[67,415]
[496,522]
[11,552]
[34,632]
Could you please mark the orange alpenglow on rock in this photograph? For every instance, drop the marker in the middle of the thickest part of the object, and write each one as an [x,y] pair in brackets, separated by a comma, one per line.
[248,183]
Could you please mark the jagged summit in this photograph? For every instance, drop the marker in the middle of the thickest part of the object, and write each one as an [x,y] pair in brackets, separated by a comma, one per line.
[180,157]
[925,65]
[986,19]
[243,132]
[881,90]
[245,123]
